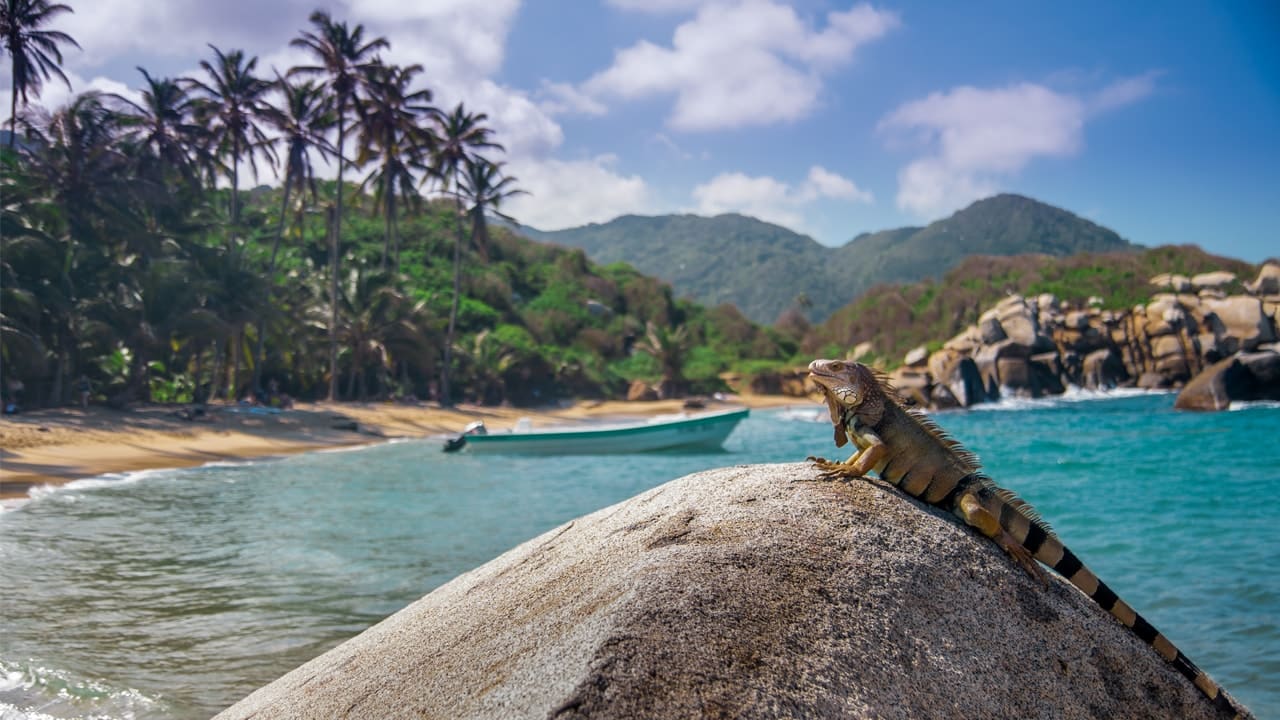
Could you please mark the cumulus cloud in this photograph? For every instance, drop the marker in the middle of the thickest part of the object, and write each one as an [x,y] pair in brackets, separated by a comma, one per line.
[565,193]
[563,98]
[976,137]
[822,183]
[180,28]
[55,94]
[751,62]
[772,200]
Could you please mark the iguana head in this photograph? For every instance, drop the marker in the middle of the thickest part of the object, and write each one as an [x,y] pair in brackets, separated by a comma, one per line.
[843,390]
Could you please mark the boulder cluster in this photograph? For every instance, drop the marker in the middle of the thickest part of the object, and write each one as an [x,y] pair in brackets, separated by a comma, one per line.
[1038,346]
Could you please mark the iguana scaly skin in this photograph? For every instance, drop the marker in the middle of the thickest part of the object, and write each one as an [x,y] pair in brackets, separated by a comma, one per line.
[911,452]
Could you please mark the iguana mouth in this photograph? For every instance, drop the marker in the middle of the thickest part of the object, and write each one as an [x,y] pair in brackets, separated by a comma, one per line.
[826,370]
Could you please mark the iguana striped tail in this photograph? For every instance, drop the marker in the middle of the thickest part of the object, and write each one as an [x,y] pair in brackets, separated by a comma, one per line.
[1034,535]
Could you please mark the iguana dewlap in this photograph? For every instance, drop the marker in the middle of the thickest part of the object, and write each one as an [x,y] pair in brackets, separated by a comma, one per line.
[911,452]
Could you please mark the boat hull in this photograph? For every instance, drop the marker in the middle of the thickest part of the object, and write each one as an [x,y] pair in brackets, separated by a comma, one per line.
[699,432]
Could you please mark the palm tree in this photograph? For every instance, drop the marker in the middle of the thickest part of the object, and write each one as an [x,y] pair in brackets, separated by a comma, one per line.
[76,158]
[166,131]
[392,133]
[34,54]
[80,196]
[670,348]
[462,136]
[380,326]
[344,58]
[483,188]
[232,103]
[302,118]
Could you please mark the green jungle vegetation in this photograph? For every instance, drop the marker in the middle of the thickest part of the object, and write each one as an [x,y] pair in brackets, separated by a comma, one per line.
[723,259]
[130,257]
[897,318]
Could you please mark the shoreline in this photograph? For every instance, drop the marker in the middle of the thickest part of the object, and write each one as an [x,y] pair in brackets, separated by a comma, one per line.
[55,446]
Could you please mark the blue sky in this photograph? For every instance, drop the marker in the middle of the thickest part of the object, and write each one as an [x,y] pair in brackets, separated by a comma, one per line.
[1158,120]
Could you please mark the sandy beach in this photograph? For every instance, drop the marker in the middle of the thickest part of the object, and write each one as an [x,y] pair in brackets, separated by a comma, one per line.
[58,445]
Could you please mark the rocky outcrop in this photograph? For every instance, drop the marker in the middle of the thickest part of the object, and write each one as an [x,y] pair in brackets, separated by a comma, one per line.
[743,592]
[1036,346]
[1251,376]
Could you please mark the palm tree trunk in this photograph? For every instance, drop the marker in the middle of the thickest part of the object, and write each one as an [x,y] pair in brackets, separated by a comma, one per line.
[215,383]
[386,230]
[351,378]
[199,362]
[237,337]
[13,114]
[395,237]
[55,394]
[445,398]
[386,244]
[259,354]
[235,192]
[335,229]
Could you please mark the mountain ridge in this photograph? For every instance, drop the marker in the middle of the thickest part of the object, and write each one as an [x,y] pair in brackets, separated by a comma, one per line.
[766,269]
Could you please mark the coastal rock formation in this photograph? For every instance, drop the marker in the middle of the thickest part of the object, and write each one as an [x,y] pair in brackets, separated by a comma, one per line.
[1036,346]
[749,591]
[1252,376]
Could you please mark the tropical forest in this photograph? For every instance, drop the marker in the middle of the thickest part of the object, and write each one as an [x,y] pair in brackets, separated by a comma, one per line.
[140,258]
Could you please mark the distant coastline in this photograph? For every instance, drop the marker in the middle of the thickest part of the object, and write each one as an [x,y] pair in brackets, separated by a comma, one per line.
[59,445]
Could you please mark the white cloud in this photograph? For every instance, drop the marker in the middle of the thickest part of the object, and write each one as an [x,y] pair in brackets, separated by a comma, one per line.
[180,28]
[751,62]
[657,6]
[1123,92]
[976,137]
[54,94]
[772,200]
[562,98]
[568,193]
[822,183]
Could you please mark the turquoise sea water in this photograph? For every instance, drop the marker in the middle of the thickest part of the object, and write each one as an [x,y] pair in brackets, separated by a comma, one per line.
[171,594]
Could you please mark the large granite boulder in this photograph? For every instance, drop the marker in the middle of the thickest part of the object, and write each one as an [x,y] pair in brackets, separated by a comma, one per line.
[1268,280]
[1215,280]
[1249,376]
[1240,323]
[752,592]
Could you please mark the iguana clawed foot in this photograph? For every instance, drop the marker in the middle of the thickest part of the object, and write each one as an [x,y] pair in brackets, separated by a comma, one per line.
[832,471]
[1023,557]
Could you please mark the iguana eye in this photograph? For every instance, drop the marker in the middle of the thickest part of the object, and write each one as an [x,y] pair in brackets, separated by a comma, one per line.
[836,366]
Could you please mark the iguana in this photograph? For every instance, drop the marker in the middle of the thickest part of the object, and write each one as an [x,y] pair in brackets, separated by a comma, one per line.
[911,452]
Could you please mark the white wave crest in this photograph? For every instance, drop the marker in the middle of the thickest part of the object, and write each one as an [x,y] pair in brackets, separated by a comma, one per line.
[1074,394]
[1237,405]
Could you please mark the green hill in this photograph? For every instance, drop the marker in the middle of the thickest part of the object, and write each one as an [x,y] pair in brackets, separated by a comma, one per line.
[763,268]
[715,260]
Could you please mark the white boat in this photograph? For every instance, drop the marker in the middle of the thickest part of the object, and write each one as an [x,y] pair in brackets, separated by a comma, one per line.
[703,431]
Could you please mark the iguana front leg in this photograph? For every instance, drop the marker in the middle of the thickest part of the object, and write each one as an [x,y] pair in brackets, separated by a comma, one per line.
[871,451]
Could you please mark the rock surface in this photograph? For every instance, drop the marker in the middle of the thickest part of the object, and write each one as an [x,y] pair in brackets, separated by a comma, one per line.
[743,592]
[1251,376]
